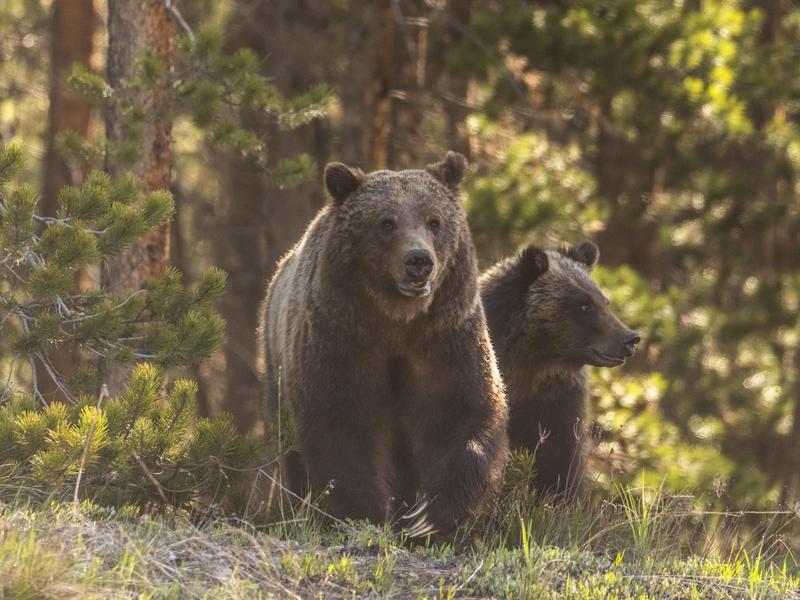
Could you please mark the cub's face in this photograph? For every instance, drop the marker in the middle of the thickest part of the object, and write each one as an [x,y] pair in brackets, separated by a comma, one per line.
[566,310]
[400,231]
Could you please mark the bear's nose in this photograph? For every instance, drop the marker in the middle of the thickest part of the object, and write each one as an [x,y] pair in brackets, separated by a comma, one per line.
[630,342]
[419,264]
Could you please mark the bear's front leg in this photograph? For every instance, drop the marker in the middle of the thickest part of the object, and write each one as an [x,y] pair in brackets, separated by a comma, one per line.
[460,442]
[550,422]
[339,437]
[559,458]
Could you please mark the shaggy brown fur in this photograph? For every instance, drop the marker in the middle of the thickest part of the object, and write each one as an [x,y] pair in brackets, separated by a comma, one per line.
[548,320]
[376,339]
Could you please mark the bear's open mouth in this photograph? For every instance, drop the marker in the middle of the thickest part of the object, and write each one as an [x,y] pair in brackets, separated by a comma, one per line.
[414,289]
[606,360]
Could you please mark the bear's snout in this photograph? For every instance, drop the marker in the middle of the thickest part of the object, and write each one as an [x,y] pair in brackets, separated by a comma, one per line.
[419,265]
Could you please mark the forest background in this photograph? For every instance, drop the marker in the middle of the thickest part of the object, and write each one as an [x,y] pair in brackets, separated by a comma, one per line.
[666,131]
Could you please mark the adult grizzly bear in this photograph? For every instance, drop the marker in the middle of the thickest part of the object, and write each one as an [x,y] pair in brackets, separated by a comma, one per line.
[547,321]
[376,340]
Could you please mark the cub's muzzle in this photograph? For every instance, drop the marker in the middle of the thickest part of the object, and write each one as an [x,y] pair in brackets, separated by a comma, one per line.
[630,342]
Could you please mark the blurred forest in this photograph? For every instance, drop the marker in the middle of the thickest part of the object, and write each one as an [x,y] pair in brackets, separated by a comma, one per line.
[668,131]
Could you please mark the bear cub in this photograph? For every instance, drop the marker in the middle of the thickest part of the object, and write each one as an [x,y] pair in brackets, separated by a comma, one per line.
[376,341]
[547,321]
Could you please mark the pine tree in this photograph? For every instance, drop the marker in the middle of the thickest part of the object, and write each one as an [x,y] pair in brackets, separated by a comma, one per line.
[145,445]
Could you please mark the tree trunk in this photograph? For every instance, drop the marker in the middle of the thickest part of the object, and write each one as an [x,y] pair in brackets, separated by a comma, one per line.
[410,54]
[452,88]
[71,41]
[362,88]
[790,491]
[262,222]
[628,238]
[240,249]
[71,37]
[380,117]
[399,73]
[133,27]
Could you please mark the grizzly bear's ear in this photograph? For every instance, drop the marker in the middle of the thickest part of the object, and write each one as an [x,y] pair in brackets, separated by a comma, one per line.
[533,263]
[341,180]
[450,171]
[585,253]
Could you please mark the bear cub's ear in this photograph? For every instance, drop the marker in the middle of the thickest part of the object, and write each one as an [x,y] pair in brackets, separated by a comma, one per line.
[533,263]
[341,180]
[585,253]
[450,171]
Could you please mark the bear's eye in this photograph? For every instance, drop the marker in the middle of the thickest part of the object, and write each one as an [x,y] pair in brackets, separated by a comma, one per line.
[388,224]
[434,224]
[587,307]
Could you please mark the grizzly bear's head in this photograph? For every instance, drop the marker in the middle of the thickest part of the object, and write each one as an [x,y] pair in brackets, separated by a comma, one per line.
[565,315]
[398,231]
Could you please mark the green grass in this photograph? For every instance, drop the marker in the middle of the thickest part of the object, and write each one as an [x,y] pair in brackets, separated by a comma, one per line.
[640,544]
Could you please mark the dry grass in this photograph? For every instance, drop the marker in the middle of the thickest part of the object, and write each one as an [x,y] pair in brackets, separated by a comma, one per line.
[53,551]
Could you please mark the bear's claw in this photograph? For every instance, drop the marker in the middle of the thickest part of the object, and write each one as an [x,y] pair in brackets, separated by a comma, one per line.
[417,509]
[421,527]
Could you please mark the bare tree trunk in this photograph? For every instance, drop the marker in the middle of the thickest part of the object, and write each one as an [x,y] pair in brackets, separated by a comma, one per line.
[773,32]
[262,222]
[71,35]
[133,27]
[791,469]
[408,76]
[241,251]
[362,88]
[629,238]
[399,71]
[71,41]
[380,117]
[448,32]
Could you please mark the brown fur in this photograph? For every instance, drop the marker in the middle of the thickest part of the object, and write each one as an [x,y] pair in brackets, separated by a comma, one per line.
[394,399]
[547,321]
